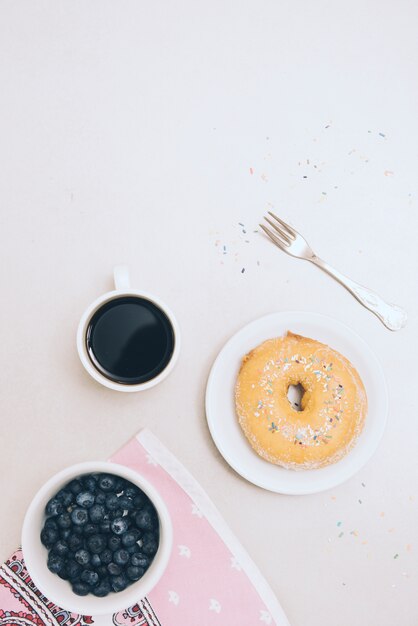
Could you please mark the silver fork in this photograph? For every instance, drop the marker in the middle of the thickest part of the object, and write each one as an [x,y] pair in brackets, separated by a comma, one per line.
[290,241]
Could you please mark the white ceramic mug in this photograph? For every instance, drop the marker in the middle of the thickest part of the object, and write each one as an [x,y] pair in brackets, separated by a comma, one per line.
[122,289]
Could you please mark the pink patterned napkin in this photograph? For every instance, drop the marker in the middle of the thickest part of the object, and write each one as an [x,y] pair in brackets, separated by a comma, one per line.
[210,579]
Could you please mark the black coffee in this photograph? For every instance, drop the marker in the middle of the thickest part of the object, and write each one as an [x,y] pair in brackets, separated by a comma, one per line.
[130,340]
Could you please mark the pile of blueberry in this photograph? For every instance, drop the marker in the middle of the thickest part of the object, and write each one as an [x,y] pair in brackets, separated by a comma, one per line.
[101,532]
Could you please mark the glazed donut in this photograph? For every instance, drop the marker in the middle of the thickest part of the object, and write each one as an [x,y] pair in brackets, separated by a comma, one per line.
[333,405]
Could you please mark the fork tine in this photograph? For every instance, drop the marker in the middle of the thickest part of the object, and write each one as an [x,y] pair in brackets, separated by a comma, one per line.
[292,232]
[280,243]
[283,234]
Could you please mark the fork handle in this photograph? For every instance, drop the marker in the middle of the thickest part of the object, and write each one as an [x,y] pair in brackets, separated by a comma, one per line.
[392,316]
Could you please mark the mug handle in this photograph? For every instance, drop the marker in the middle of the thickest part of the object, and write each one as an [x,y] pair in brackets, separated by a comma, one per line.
[121,277]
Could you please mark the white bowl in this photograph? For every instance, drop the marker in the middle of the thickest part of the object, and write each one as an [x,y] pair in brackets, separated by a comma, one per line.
[59,591]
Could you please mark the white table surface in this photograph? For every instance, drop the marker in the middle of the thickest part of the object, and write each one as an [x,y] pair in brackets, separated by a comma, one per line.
[146,133]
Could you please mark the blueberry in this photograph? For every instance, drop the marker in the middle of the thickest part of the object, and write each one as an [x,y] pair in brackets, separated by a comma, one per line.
[114,569]
[107,482]
[81,589]
[75,487]
[97,513]
[74,542]
[149,544]
[106,556]
[55,563]
[134,573]
[102,589]
[90,529]
[66,497]
[100,498]
[60,548]
[89,482]
[144,519]
[73,569]
[140,560]
[64,520]
[79,517]
[131,491]
[119,525]
[51,523]
[82,557]
[120,485]
[54,507]
[89,577]
[65,533]
[139,500]
[125,503]
[102,571]
[49,536]
[120,557]
[96,543]
[113,543]
[63,573]
[130,537]
[112,502]
[85,499]
[119,582]
[132,549]
[95,560]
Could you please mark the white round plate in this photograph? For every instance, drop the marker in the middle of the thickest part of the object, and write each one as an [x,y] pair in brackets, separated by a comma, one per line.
[220,407]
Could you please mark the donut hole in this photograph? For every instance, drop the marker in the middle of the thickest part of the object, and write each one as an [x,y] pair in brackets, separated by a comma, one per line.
[295,395]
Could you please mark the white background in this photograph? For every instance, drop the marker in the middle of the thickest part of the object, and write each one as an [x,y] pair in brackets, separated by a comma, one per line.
[128,130]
